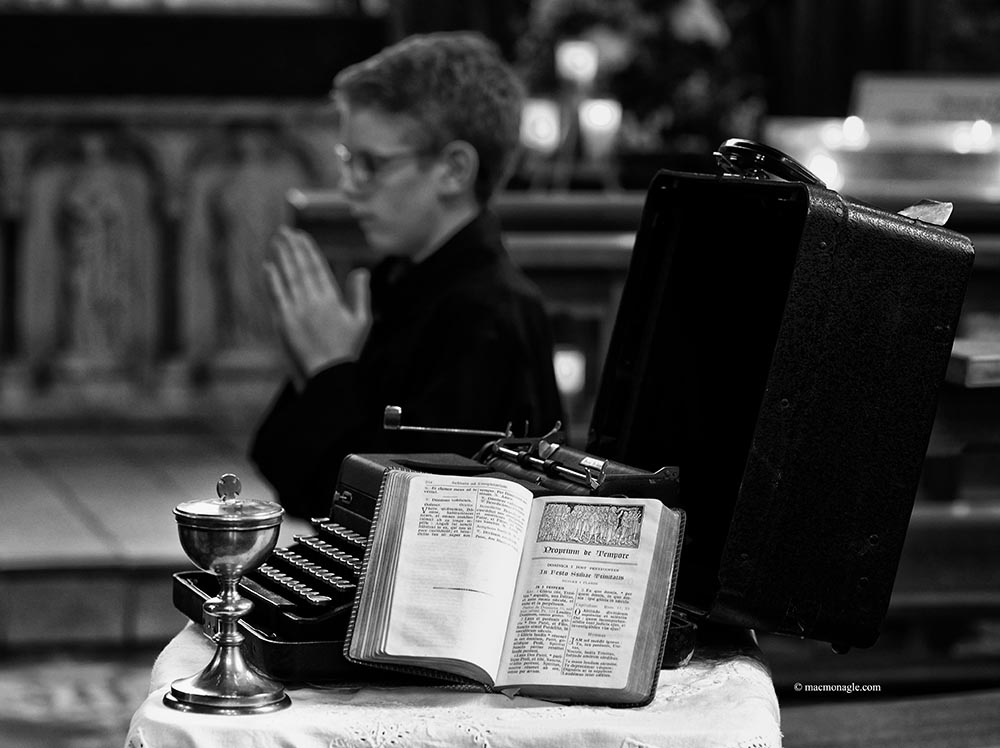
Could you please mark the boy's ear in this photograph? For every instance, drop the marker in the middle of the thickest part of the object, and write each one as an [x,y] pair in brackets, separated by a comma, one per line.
[461,165]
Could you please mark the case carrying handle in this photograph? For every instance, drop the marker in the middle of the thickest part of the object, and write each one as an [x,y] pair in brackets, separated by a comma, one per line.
[747,158]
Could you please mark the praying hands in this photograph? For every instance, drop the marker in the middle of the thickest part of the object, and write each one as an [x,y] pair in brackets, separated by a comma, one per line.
[318,323]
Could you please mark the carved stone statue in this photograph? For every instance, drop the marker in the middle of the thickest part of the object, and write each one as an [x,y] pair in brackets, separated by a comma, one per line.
[91,254]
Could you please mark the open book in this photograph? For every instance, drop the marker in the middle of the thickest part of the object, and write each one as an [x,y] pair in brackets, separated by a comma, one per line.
[561,598]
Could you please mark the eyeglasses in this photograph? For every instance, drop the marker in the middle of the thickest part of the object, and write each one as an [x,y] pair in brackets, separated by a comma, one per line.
[365,167]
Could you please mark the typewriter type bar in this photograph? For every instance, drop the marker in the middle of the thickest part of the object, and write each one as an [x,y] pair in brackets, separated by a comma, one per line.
[532,459]
[561,469]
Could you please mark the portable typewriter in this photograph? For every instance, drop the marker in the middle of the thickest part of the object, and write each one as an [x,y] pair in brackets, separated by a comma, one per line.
[800,425]
[303,593]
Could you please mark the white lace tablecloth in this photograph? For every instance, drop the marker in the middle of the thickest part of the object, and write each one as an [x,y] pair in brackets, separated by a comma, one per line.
[727,702]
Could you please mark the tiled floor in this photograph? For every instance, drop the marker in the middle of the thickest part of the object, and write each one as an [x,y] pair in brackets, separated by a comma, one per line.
[62,700]
[88,540]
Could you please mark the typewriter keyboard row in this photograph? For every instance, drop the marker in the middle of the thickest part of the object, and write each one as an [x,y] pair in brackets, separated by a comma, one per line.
[298,587]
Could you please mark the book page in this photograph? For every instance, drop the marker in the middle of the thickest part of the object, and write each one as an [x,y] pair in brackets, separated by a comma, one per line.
[460,549]
[578,605]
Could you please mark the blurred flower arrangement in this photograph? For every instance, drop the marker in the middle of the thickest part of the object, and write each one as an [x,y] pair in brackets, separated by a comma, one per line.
[683,70]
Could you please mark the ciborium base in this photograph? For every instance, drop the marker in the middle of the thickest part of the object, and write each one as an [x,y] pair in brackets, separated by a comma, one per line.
[179,702]
[227,686]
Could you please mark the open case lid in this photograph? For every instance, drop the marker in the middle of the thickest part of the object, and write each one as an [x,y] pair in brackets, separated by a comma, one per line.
[783,346]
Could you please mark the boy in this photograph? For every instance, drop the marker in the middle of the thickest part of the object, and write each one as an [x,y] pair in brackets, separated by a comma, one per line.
[445,326]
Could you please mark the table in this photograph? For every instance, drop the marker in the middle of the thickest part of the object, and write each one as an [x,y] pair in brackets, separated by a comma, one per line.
[718,699]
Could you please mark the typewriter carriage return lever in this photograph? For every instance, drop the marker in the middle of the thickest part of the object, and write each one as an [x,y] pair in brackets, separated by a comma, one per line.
[392,420]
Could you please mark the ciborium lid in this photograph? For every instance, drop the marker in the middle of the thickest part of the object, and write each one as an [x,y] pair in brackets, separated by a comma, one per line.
[229,511]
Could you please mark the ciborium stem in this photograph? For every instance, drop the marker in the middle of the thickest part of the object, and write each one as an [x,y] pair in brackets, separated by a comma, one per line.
[228,608]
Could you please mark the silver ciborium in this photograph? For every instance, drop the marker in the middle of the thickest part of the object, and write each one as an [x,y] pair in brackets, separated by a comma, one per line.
[228,537]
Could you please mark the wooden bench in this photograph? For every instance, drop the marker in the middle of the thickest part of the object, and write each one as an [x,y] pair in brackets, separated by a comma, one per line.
[967,426]
[942,629]
[950,565]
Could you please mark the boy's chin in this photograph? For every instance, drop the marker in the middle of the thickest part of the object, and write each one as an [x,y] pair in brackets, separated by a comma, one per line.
[383,252]
[384,248]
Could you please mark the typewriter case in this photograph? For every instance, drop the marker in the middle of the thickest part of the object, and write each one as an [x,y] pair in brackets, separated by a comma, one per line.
[783,345]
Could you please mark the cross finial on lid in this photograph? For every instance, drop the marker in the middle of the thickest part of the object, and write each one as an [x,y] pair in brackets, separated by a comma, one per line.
[228,487]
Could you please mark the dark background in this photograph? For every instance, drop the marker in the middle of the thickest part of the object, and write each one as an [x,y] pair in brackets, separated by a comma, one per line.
[801,54]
